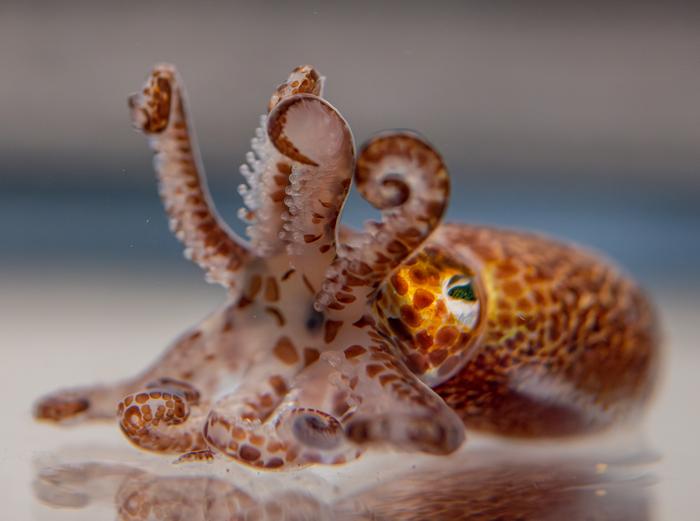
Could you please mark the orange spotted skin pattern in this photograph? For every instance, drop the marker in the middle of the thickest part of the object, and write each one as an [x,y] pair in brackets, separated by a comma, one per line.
[552,314]
[435,330]
[406,333]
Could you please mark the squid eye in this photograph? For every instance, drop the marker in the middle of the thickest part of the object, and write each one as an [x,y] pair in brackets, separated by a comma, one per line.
[463,292]
[461,287]
[462,300]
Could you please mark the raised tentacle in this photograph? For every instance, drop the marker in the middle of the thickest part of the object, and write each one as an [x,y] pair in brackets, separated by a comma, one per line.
[299,172]
[160,112]
[302,80]
[314,134]
[403,176]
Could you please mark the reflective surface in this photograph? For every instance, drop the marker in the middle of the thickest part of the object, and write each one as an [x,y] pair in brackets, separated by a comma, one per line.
[59,321]
[491,484]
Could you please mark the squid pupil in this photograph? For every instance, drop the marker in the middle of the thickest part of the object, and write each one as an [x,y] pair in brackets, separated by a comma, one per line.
[463,292]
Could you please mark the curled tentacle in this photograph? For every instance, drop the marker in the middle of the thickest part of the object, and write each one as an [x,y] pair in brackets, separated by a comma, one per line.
[267,171]
[299,171]
[291,436]
[189,392]
[277,423]
[403,176]
[160,112]
[163,419]
[321,175]
[303,79]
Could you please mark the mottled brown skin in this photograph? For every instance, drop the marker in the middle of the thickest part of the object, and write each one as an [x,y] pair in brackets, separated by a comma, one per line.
[551,316]
[400,334]
[555,313]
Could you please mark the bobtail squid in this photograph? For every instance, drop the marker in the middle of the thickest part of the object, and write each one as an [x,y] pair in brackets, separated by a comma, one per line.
[404,334]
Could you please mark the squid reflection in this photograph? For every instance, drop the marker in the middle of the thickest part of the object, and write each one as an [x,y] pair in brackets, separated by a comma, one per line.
[504,488]
[139,495]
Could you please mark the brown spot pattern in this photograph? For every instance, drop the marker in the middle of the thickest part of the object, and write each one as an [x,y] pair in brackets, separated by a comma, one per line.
[284,350]
[302,80]
[331,329]
[159,111]
[554,312]
[416,167]
[272,292]
[354,351]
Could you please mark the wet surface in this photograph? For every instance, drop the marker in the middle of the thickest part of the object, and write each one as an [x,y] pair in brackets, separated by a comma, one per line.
[490,484]
[77,327]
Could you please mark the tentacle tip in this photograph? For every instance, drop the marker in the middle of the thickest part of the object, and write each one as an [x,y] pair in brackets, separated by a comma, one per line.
[422,433]
[453,437]
[59,408]
[358,431]
[317,429]
[150,109]
[53,486]
[299,124]
[304,79]
[434,437]
[164,68]
[139,116]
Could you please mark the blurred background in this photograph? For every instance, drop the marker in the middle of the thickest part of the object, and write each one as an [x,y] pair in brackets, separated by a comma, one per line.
[577,119]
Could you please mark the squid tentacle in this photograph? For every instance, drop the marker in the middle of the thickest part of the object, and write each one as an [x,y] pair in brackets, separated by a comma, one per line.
[94,402]
[160,113]
[266,175]
[293,436]
[267,171]
[302,80]
[402,175]
[164,419]
[298,172]
[268,424]
[388,404]
[189,357]
[323,160]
